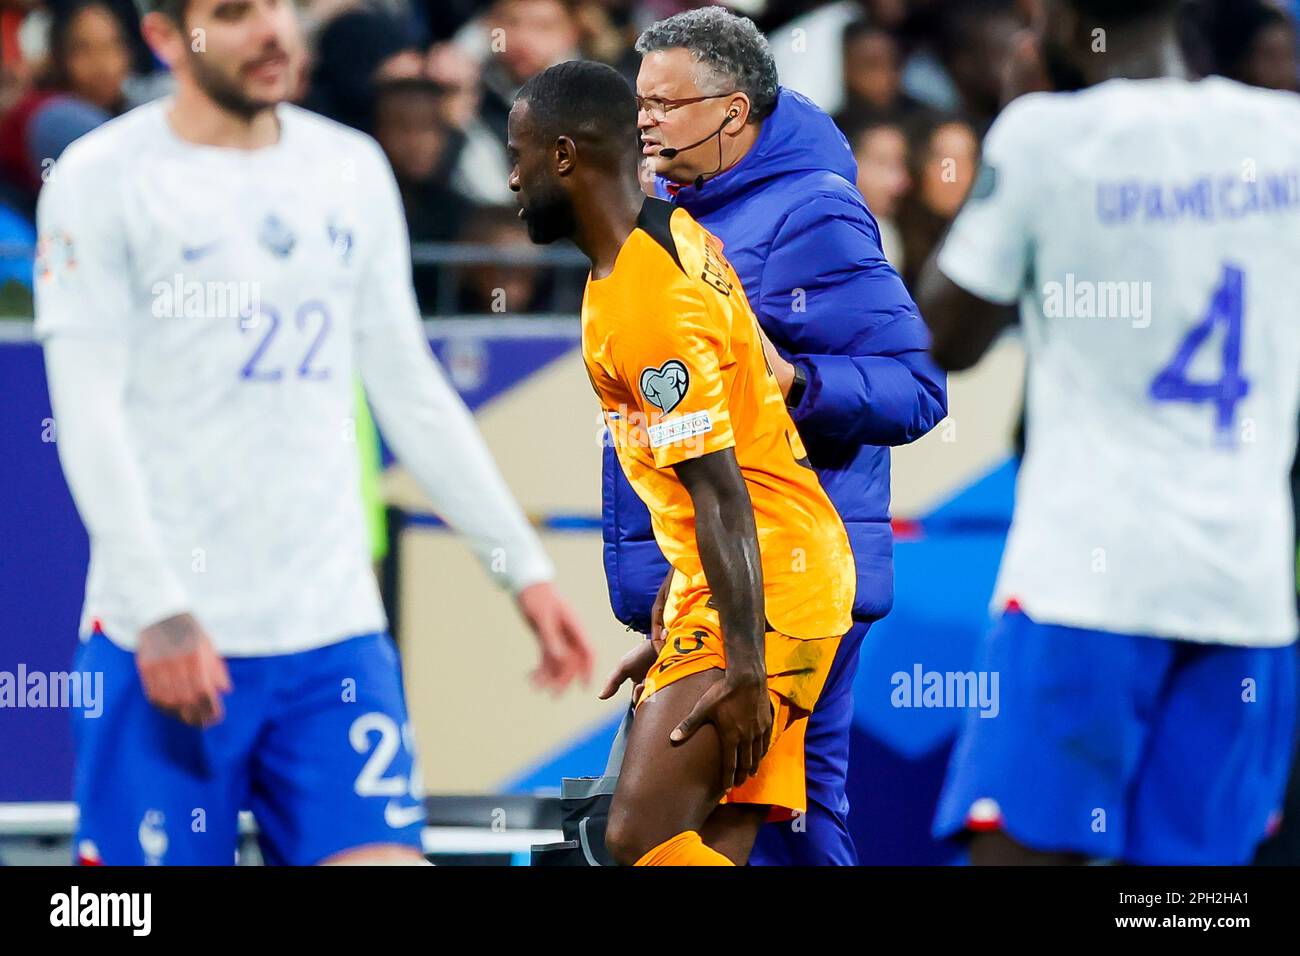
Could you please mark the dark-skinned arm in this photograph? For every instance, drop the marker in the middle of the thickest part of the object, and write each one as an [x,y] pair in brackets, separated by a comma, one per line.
[727,538]
[962,326]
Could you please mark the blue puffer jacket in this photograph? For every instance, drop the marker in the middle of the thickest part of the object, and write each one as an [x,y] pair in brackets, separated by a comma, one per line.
[808,254]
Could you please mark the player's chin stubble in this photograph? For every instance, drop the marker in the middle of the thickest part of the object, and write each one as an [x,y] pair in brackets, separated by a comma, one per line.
[225,90]
[550,218]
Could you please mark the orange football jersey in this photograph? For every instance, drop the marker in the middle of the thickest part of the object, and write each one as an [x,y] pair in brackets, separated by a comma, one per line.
[675,355]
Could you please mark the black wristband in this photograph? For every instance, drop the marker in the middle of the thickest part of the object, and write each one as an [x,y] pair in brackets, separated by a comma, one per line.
[795,395]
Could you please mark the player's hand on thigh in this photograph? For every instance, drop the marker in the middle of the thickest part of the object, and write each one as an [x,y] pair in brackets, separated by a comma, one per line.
[741,710]
[181,671]
[635,664]
[566,653]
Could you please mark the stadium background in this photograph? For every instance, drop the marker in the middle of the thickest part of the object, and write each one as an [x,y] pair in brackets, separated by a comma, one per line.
[913,85]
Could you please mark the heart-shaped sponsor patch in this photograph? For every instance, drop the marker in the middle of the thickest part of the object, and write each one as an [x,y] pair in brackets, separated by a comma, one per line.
[665,386]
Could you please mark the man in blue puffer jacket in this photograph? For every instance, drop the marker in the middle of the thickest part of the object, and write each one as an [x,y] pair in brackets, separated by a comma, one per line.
[769,174]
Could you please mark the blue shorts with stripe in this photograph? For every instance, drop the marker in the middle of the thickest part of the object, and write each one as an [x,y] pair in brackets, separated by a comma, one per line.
[1124,747]
[316,744]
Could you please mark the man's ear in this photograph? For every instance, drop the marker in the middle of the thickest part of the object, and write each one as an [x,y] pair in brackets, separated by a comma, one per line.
[566,156]
[739,110]
[165,38]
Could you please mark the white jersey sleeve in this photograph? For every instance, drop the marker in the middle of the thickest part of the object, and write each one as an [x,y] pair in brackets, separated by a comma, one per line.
[82,269]
[423,417]
[82,307]
[989,249]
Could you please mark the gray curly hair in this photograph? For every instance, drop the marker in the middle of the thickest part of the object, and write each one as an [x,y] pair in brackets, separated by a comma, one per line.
[733,53]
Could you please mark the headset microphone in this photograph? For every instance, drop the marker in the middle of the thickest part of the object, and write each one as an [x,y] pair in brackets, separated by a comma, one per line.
[668,152]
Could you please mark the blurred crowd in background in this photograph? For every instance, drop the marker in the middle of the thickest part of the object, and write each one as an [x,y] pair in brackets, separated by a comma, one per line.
[913,84]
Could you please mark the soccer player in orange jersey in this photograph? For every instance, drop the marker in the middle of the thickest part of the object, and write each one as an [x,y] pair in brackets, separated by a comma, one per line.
[763,575]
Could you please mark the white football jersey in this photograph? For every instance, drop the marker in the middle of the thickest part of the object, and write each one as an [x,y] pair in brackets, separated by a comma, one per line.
[250,286]
[1150,230]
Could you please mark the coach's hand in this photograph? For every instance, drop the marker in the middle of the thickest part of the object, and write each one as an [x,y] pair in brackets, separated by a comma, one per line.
[739,707]
[565,651]
[181,671]
[634,666]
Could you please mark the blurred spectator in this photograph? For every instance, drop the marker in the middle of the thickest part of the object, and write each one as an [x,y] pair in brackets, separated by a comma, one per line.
[524,37]
[410,127]
[881,150]
[512,42]
[872,76]
[422,147]
[457,73]
[79,84]
[809,52]
[90,55]
[1254,42]
[872,70]
[128,14]
[481,168]
[607,32]
[945,156]
[355,52]
[953,53]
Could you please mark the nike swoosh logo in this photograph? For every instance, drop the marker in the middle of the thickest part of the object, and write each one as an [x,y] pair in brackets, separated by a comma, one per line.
[190,253]
[399,817]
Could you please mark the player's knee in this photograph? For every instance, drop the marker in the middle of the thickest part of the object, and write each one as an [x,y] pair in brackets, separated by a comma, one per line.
[625,840]
[381,855]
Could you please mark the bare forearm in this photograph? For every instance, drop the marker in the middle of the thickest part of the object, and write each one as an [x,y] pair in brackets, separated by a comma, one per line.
[728,542]
[962,326]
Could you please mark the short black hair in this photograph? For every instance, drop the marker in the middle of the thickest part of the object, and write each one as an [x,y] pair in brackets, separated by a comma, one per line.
[1124,11]
[584,100]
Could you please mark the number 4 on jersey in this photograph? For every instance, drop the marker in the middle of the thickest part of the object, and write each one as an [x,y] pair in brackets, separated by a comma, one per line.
[1173,385]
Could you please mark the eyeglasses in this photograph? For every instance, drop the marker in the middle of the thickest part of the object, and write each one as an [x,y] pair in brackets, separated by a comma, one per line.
[657,107]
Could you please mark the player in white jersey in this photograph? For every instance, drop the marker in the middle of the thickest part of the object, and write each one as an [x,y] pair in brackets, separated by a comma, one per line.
[215,269]
[1148,225]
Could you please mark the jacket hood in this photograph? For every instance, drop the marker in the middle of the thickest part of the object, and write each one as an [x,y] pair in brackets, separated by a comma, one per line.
[797,138]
